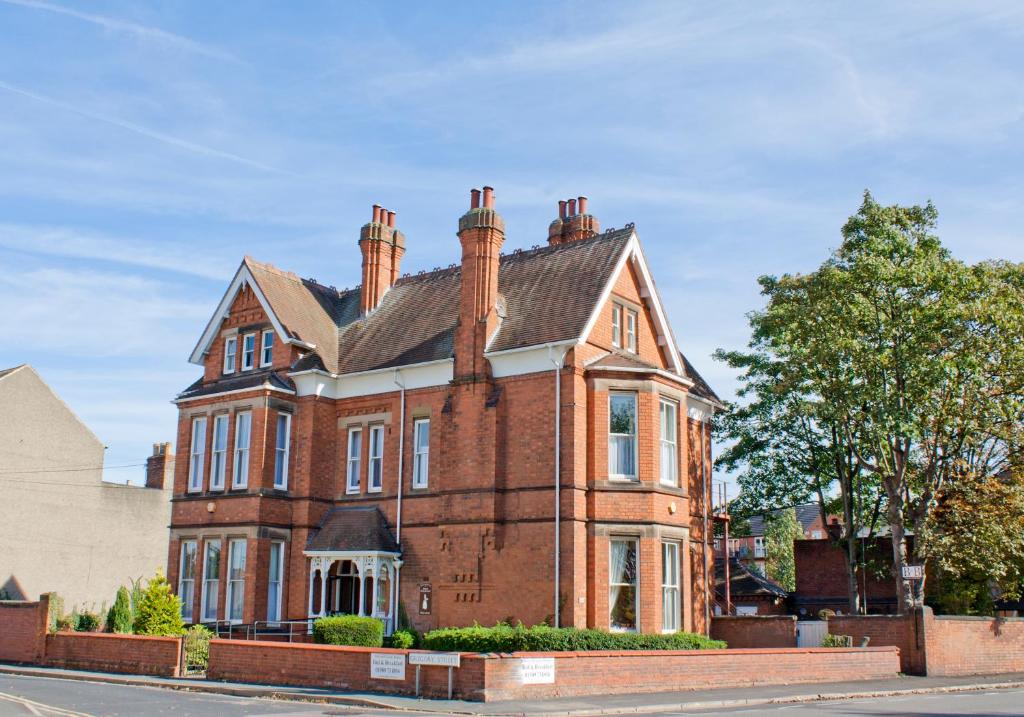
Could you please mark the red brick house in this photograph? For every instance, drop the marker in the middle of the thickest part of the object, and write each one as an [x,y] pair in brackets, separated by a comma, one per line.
[400,443]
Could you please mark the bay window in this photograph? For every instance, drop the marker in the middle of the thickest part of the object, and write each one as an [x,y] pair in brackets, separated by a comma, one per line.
[274,581]
[282,450]
[355,447]
[187,578]
[220,452]
[236,580]
[211,580]
[670,608]
[669,463]
[243,430]
[622,436]
[623,596]
[421,452]
[375,475]
[197,455]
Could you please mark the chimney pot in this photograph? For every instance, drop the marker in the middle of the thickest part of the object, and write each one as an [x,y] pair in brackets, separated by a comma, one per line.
[572,207]
[474,198]
[488,197]
[582,205]
[376,213]
[391,219]
[561,209]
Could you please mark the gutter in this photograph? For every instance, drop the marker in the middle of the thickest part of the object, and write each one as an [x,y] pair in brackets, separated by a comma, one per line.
[558,479]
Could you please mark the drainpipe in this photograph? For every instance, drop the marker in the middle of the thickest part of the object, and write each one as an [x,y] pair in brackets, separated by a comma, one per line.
[704,501]
[558,477]
[398,513]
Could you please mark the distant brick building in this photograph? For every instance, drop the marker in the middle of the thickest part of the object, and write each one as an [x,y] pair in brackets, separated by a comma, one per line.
[395,444]
[751,548]
[821,576]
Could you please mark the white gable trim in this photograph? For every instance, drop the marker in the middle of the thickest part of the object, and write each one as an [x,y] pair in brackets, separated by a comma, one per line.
[649,293]
[243,277]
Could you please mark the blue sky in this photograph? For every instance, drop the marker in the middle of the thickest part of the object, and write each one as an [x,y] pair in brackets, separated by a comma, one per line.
[145,149]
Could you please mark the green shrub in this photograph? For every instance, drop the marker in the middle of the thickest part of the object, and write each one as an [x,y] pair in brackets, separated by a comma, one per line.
[56,610]
[403,639]
[87,622]
[543,638]
[197,647]
[66,623]
[119,618]
[837,641]
[349,630]
[159,611]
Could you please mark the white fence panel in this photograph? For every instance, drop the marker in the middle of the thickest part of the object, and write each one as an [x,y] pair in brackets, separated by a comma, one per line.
[810,633]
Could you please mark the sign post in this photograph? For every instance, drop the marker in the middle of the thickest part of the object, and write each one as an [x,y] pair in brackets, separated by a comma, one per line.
[451,660]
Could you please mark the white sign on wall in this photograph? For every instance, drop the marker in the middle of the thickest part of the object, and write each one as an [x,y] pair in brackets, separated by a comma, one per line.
[438,659]
[537,670]
[384,666]
[913,572]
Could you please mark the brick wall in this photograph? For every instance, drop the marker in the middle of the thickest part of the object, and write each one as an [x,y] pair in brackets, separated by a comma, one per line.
[132,654]
[23,629]
[974,645]
[755,630]
[903,631]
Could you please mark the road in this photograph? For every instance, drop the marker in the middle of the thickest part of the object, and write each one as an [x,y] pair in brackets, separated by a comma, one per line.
[49,697]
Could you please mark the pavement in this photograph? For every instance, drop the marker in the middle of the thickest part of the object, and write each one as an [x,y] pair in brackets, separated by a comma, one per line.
[723,701]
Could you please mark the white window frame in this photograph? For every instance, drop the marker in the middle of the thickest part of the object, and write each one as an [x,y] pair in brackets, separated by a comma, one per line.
[759,550]
[230,354]
[240,464]
[375,464]
[197,455]
[617,325]
[235,583]
[636,592]
[420,457]
[210,583]
[219,457]
[275,588]
[632,320]
[671,607]
[668,456]
[628,477]
[353,458]
[267,348]
[248,352]
[282,454]
[187,586]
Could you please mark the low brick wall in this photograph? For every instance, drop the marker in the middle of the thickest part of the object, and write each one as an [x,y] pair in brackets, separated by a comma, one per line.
[132,654]
[755,630]
[958,645]
[23,628]
[903,631]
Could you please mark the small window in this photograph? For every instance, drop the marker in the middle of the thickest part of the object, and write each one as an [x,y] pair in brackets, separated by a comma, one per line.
[355,448]
[668,412]
[267,349]
[248,351]
[236,580]
[421,452]
[187,579]
[375,477]
[282,451]
[670,607]
[623,596]
[759,551]
[243,431]
[211,580]
[230,352]
[274,581]
[815,535]
[622,436]
[631,330]
[220,452]
[197,455]
[616,326]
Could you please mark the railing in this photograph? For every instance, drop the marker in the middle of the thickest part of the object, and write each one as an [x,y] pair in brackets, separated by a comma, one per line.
[227,629]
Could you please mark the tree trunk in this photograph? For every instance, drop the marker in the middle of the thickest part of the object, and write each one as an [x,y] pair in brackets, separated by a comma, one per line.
[904,594]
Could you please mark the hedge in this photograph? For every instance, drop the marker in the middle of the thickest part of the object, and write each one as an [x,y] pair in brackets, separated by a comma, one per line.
[542,638]
[349,630]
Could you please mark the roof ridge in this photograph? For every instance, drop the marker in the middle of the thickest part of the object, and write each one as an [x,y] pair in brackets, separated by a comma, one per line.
[289,274]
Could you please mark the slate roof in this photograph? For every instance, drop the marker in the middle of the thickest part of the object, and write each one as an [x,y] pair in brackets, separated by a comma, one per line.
[238,383]
[4,372]
[361,528]
[805,514]
[744,582]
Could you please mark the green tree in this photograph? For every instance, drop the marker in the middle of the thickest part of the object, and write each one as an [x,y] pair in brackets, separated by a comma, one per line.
[781,529]
[119,617]
[159,611]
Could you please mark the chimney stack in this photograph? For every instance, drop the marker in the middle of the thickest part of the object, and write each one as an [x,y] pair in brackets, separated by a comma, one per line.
[382,247]
[481,233]
[573,222]
[160,467]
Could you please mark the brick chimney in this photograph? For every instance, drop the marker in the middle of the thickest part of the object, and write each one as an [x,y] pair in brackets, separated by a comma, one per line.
[573,222]
[382,247]
[481,233]
[160,466]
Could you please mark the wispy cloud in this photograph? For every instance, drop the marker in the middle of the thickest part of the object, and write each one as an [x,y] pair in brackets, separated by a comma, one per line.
[144,32]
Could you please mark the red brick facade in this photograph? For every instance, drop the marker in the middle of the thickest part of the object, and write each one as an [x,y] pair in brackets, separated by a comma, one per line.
[481,533]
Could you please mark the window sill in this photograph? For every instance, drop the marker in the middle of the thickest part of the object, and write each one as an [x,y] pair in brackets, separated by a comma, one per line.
[623,479]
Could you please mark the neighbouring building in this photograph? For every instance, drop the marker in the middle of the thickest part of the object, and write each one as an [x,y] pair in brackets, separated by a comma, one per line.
[514,436]
[822,580]
[750,548]
[63,528]
[750,593]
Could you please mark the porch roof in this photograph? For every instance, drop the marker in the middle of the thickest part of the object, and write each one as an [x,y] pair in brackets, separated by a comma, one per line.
[360,528]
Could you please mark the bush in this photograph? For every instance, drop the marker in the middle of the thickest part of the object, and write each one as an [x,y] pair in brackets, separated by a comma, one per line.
[56,610]
[159,611]
[403,639]
[87,622]
[119,617]
[349,630]
[837,641]
[542,638]
[66,623]
[197,647]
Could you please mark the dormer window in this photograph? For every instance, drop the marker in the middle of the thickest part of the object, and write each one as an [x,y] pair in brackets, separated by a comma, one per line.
[248,351]
[267,349]
[230,353]
[616,326]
